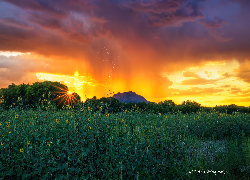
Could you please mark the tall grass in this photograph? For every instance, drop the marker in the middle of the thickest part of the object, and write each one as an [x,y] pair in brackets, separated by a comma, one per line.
[70,144]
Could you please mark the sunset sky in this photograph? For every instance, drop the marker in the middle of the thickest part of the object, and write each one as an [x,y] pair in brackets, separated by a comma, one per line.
[161,49]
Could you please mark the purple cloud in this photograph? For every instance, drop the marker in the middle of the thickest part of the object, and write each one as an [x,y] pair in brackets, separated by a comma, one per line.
[216,22]
[16,23]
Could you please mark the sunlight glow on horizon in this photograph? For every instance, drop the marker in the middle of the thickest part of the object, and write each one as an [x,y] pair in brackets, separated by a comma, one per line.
[8,53]
[208,85]
[82,85]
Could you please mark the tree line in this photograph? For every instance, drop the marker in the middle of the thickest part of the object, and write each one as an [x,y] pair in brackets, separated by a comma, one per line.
[54,95]
[42,95]
[164,107]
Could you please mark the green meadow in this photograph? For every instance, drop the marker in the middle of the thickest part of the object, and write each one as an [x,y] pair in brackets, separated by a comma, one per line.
[83,144]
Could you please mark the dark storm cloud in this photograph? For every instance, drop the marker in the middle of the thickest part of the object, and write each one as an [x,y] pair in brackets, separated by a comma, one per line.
[44,6]
[46,22]
[216,22]
[153,35]
[15,23]
[242,2]
[98,20]
[164,13]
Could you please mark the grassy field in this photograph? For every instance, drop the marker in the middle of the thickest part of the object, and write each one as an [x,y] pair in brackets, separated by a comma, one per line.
[71,144]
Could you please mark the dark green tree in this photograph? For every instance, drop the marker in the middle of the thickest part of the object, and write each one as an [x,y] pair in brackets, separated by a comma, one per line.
[189,107]
[43,95]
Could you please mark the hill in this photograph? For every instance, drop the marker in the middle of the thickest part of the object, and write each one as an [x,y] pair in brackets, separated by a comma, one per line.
[130,96]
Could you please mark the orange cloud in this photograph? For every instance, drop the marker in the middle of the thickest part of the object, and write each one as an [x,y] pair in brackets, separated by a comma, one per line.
[200,91]
[197,81]
[190,74]
[243,72]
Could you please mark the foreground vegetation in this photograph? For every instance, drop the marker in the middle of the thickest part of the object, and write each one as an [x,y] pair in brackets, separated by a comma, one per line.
[48,133]
[84,144]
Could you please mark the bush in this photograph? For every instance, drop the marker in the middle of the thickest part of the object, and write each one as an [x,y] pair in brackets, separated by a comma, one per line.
[189,107]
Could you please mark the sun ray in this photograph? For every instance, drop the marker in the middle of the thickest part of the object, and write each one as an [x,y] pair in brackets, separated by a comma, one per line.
[64,96]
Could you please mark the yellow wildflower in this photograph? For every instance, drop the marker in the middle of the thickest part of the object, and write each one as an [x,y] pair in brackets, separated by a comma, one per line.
[57,120]
[89,127]
[81,109]
[1,123]
[88,119]
[67,121]
[9,132]
[2,143]
[187,125]
[28,142]
[7,125]
[16,116]
[21,150]
[159,113]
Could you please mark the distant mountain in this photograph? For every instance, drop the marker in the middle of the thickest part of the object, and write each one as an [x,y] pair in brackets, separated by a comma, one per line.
[130,96]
